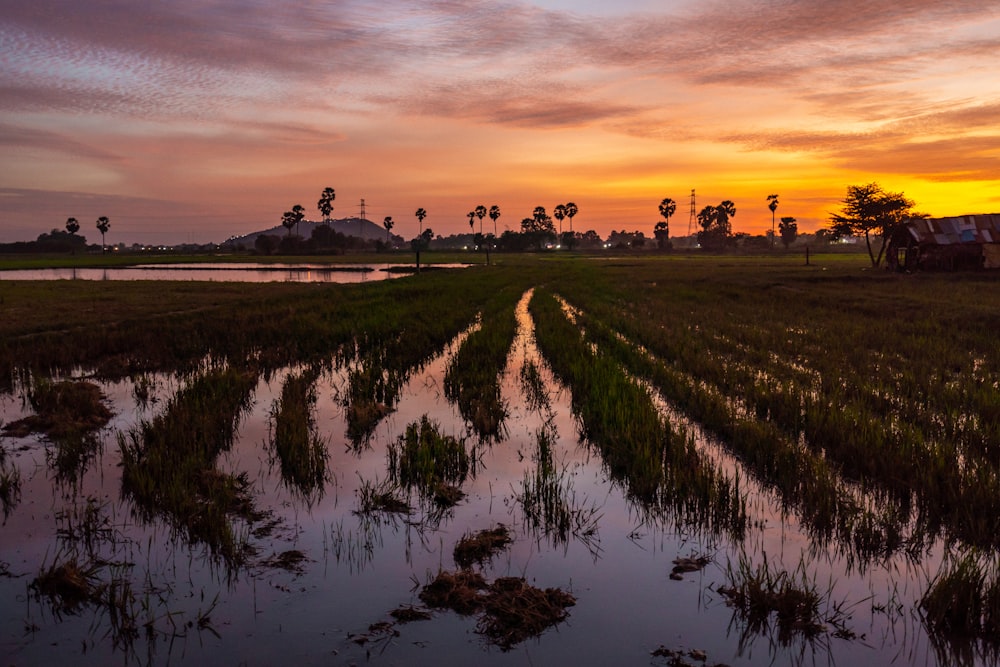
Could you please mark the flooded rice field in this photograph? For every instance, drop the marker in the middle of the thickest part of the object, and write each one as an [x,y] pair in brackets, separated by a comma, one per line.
[380,518]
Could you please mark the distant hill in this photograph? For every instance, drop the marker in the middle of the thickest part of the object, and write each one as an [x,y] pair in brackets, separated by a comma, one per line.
[357,227]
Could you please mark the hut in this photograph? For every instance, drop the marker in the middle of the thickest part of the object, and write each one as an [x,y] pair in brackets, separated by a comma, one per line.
[949,244]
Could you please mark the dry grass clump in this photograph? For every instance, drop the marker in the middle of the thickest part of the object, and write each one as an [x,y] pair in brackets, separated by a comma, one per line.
[290,560]
[677,658]
[69,585]
[482,546]
[459,591]
[63,409]
[685,564]
[515,611]
[512,610]
[408,614]
[447,495]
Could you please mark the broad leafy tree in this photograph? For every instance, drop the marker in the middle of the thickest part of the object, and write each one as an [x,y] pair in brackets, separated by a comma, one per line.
[325,204]
[422,241]
[103,225]
[72,225]
[265,244]
[716,229]
[867,210]
[789,230]
[539,215]
[538,229]
[662,233]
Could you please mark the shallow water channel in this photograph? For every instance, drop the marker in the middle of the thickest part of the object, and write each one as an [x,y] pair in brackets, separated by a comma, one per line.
[225,272]
[616,559]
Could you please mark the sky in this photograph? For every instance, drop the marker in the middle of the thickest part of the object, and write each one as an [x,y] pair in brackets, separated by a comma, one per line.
[197,120]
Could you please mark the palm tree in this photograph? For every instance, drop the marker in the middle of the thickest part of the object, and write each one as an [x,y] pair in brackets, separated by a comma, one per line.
[494,214]
[388,224]
[772,203]
[539,214]
[325,204]
[72,225]
[299,214]
[724,211]
[472,221]
[288,221]
[103,225]
[480,213]
[667,208]
[421,214]
[571,210]
[559,213]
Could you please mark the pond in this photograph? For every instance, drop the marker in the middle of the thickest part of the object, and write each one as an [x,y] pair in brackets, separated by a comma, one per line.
[324,567]
[227,272]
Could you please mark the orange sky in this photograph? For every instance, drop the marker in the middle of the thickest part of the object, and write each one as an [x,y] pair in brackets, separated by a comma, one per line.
[194,120]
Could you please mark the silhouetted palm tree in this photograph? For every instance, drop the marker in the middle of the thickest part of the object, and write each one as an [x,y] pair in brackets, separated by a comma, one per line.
[103,225]
[571,211]
[494,214]
[388,224]
[724,211]
[472,221]
[288,221]
[421,214]
[539,214]
[772,203]
[299,214]
[480,213]
[72,225]
[325,204]
[559,213]
[667,208]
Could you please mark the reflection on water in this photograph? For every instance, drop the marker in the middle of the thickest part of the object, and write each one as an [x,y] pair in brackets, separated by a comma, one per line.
[321,569]
[241,272]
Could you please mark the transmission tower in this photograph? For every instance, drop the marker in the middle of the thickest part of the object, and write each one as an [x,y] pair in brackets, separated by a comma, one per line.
[692,216]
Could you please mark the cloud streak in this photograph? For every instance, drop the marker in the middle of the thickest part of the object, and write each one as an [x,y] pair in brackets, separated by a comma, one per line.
[145,94]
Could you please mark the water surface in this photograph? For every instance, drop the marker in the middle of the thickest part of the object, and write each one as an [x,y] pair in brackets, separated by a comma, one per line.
[224,272]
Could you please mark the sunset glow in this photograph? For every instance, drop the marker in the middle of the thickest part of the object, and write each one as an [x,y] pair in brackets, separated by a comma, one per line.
[194,120]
